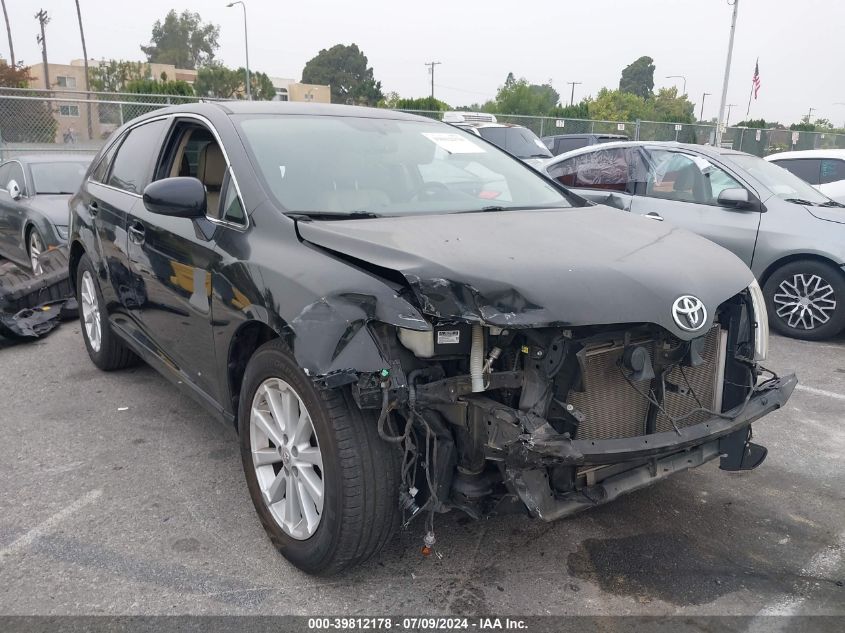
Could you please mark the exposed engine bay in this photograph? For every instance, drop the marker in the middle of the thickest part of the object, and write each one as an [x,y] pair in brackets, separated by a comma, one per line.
[555,420]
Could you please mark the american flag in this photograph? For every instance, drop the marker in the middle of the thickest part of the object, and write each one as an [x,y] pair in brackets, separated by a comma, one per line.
[755,81]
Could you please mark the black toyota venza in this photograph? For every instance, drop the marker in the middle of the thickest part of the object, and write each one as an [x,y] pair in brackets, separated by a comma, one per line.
[400,319]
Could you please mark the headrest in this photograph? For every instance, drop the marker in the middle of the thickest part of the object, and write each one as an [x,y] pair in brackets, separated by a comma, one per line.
[211,167]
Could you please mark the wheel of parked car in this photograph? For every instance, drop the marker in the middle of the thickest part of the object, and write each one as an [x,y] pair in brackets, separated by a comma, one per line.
[323,482]
[106,350]
[34,248]
[806,299]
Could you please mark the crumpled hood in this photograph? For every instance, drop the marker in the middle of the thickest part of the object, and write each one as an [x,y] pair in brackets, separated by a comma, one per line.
[582,266]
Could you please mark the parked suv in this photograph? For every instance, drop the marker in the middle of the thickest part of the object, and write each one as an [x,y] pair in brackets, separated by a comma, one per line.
[516,140]
[822,168]
[401,320]
[792,236]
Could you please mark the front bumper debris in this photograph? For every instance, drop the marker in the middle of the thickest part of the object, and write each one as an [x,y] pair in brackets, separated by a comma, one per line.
[660,454]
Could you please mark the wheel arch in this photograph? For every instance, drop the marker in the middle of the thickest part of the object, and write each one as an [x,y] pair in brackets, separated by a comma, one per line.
[76,251]
[243,345]
[795,257]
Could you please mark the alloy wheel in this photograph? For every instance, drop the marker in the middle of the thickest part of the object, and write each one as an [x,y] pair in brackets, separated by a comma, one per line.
[36,247]
[91,311]
[287,459]
[805,301]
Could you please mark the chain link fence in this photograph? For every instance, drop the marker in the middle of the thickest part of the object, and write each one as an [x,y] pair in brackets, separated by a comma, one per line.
[74,121]
[33,121]
[760,142]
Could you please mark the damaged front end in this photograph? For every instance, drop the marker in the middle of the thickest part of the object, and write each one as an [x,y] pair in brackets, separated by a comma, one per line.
[556,420]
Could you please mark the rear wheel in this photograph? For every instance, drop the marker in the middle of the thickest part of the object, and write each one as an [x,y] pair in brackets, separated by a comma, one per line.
[106,350]
[34,248]
[324,484]
[806,300]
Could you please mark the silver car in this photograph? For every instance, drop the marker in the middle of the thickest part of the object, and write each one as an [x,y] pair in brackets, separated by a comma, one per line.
[789,234]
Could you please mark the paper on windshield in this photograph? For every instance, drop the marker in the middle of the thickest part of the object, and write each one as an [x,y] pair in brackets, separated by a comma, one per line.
[453,143]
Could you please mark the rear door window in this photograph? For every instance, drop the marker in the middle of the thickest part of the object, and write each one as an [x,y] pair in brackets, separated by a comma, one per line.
[832,170]
[807,169]
[608,169]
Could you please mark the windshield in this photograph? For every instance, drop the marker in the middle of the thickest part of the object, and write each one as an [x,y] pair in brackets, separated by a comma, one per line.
[58,177]
[519,141]
[781,182]
[355,165]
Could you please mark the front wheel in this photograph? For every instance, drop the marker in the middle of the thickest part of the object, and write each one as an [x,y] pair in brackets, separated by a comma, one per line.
[324,484]
[806,300]
[34,248]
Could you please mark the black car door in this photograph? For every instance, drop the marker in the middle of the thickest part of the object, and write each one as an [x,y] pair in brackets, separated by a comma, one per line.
[111,193]
[174,259]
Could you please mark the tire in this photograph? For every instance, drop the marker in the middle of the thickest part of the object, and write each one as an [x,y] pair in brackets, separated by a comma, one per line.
[106,350]
[788,290]
[34,248]
[359,474]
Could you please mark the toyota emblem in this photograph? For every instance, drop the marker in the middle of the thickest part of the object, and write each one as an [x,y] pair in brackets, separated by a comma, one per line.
[689,313]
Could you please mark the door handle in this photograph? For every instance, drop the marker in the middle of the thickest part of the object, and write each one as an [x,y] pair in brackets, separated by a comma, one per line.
[136,233]
[651,215]
[93,209]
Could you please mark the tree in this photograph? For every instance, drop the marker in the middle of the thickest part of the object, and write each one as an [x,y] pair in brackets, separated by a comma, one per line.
[113,75]
[154,87]
[430,104]
[638,77]
[668,106]
[517,96]
[345,69]
[580,110]
[23,121]
[182,40]
[217,81]
[617,105]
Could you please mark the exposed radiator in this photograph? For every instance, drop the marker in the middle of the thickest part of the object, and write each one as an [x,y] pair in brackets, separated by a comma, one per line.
[612,408]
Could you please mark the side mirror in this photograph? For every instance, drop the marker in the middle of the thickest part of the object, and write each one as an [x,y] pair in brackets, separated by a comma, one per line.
[735,197]
[14,190]
[178,197]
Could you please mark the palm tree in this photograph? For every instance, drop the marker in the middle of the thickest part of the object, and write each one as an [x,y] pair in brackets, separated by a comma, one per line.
[9,33]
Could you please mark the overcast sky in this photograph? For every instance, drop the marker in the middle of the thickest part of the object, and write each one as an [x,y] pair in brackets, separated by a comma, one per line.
[800,44]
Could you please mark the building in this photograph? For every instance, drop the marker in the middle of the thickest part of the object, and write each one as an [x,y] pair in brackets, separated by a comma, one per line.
[291,90]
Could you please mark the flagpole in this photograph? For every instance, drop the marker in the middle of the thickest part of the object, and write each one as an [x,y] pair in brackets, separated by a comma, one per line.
[751,94]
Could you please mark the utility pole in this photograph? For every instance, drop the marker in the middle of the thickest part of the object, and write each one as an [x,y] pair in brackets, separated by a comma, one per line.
[703,97]
[728,118]
[431,66]
[43,19]
[727,74]
[87,79]
[810,116]
[9,33]
[572,96]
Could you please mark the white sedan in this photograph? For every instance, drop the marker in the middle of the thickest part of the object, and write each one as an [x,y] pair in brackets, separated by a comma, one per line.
[822,168]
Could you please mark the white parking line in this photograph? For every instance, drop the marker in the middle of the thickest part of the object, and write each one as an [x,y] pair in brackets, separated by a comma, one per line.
[822,565]
[820,392]
[42,528]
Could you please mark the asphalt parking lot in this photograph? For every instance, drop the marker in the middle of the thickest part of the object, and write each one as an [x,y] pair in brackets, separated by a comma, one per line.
[119,496]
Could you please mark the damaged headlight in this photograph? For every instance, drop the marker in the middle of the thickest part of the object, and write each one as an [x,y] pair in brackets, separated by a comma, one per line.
[761,322]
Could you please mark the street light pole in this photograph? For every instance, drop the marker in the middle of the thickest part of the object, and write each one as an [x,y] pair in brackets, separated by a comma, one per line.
[572,96]
[727,74]
[679,77]
[246,46]
[703,97]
